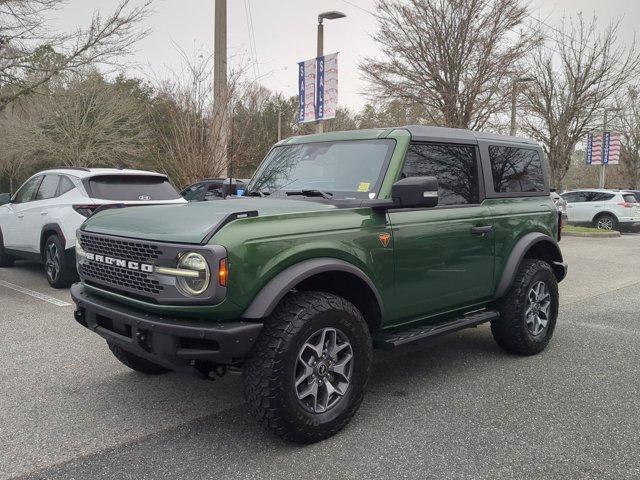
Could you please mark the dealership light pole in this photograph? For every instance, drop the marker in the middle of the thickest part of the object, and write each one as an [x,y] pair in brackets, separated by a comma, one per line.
[605,125]
[514,98]
[332,15]
[220,87]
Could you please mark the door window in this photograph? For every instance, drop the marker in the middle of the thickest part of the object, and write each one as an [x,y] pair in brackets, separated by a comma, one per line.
[516,169]
[455,167]
[66,185]
[214,191]
[28,190]
[575,197]
[600,197]
[48,187]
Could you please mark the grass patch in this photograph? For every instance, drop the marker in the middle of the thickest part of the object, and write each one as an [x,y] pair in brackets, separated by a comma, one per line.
[589,230]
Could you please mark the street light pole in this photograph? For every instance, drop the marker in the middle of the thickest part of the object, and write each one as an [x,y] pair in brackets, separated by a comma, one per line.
[514,99]
[332,15]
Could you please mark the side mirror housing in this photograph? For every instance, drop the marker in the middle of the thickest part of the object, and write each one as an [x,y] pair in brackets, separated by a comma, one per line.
[414,192]
[5,198]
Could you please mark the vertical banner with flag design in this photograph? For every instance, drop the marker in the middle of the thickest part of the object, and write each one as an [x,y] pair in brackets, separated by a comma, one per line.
[613,144]
[594,149]
[318,88]
[603,148]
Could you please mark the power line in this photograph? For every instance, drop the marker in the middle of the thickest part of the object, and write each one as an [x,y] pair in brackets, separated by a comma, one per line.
[253,49]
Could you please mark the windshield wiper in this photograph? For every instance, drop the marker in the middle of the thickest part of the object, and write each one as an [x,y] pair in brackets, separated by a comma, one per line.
[311,193]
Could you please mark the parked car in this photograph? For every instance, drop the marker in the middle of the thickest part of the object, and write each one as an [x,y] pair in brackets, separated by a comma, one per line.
[344,242]
[214,189]
[40,221]
[636,193]
[604,209]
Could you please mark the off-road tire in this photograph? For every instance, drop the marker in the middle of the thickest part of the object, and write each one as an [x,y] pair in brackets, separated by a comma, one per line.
[65,274]
[136,363]
[269,369]
[510,329]
[606,216]
[6,260]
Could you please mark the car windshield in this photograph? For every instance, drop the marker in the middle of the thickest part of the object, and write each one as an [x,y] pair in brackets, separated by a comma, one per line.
[343,169]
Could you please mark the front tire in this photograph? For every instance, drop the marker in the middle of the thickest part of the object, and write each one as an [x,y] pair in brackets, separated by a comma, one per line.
[6,260]
[135,362]
[58,269]
[305,378]
[529,312]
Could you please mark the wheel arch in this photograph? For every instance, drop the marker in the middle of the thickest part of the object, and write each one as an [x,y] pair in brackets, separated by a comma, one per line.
[48,230]
[534,245]
[326,274]
[604,212]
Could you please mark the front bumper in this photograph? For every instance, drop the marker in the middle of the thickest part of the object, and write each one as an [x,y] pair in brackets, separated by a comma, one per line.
[184,345]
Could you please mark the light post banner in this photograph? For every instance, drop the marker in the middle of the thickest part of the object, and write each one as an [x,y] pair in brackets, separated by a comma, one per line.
[611,150]
[307,91]
[329,76]
[318,88]
[594,149]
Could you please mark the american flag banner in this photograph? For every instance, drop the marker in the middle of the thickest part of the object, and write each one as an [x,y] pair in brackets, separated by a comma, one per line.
[594,149]
[612,144]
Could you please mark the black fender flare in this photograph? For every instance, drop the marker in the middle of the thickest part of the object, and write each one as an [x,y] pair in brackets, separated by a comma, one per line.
[271,294]
[519,252]
[47,228]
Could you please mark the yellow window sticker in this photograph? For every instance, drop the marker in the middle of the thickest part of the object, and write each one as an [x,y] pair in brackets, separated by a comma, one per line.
[364,186]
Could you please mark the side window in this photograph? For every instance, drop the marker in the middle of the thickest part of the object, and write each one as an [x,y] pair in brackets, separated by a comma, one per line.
[516,169]
[66,185]
[600,197]
[576,197]
[214,191]
[194,192]
[455,167]
[48,187]
[28,190]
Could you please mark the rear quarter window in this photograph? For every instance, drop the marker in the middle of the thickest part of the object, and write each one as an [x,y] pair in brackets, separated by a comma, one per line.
[131,188]
[630,198]
[516,170]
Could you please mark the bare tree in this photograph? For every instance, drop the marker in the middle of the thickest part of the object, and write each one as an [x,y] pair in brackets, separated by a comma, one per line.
[629,125]
[30,56]
[576,77]
[455,58]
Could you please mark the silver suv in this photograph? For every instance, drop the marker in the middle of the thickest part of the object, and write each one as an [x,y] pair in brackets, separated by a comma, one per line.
[604,209]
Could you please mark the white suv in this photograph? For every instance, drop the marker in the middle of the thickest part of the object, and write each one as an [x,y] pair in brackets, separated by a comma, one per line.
[604,209]
[40,221]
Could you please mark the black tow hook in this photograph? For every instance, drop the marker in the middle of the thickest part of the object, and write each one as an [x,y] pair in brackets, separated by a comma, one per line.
[143,338]
[80,317]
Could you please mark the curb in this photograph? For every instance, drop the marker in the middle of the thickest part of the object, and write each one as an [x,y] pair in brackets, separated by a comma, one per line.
[612,234]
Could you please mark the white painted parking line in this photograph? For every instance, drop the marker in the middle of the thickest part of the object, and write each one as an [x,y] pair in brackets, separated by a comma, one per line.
[31,293]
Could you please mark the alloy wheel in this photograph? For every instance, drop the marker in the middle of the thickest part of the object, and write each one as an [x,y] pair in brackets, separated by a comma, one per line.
[538,307]
[52,261]
[605,223]
[323,370]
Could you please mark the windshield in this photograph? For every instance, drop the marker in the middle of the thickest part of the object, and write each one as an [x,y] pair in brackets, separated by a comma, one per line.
[346,169]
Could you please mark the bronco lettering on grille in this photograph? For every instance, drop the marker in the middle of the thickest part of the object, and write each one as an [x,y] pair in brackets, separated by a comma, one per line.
[118,262]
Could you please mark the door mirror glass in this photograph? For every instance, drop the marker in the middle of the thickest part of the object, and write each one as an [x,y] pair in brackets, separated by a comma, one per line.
[415,192]
[5,198]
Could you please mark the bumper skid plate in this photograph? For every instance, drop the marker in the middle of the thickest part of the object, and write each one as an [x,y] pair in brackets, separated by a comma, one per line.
[177,344]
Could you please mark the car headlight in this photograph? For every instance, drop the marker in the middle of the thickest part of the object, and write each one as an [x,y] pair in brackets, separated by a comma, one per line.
[197,284]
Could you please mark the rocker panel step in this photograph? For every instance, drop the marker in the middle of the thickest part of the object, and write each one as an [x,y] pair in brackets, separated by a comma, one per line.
[391,340]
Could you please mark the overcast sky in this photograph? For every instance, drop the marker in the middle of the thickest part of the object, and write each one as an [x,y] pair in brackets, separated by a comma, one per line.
[285,33]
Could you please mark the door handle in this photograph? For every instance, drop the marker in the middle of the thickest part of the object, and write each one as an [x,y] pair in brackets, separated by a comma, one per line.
[21,216]
[44,213]
[481,231]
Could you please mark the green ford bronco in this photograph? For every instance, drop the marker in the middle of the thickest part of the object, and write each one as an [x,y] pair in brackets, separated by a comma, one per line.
[344,242]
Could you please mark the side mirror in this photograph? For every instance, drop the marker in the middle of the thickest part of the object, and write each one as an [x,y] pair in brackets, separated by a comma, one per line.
[415,192]
[5,198]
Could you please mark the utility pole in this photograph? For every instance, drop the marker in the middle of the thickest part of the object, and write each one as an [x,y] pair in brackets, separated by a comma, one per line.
[333,15]
[279,124]
[220,87]
[514,100]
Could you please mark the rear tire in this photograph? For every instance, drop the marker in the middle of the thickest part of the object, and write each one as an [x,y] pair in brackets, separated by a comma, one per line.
[58,269]
[529,312]
[605,221]
[305,378]
[135,362]
[6,260]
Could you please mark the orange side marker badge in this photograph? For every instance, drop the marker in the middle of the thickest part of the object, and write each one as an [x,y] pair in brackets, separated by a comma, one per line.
[384,238]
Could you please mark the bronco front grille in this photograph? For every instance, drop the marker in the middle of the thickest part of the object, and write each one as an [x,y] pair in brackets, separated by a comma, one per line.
[121,277]
[125,249]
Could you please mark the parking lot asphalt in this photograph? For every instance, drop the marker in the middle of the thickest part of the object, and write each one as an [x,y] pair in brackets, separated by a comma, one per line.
[457,407]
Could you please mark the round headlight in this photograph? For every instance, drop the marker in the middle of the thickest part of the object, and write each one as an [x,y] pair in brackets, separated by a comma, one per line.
[195,285]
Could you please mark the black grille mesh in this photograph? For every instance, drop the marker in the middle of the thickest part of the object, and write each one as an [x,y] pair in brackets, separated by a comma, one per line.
[115,276]
[124,249]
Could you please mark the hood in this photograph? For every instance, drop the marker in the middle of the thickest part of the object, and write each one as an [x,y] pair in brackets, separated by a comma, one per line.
[191,222]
